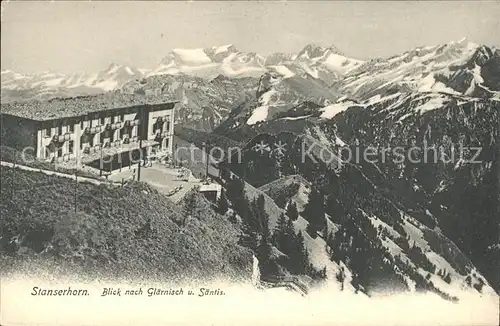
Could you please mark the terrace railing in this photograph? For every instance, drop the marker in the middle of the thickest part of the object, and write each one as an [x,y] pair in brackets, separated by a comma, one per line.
[61,138]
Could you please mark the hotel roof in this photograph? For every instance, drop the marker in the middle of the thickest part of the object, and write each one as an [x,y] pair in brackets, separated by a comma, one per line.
[76,106]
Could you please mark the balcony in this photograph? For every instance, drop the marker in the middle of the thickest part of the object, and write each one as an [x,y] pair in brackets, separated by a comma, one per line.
[61,138]
[92,149]
[116,143]
[94,130]
[114,125]
[117,125]
[132,123]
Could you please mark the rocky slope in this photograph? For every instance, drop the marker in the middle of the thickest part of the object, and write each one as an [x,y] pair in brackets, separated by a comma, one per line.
[204,104]
[421,212]
[383,238]
[459,68]
[452,178]
[442,181]
[279,98]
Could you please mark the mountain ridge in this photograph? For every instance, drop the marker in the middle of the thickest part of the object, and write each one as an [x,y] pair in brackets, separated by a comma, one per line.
[360,79]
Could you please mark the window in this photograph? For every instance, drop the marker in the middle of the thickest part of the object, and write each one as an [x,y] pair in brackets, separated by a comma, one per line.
[71,127]
[166,143]
[102,121]
[85,122]
[157,127]
[71,146]
[48,132]
[168,126]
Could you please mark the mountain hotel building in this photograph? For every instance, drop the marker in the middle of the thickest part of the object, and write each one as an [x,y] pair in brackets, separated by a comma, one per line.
[85,129]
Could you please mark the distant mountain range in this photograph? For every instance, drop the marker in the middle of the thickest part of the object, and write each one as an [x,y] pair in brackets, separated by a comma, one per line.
[327,64]
[419,226]
[16,86]
[319,74]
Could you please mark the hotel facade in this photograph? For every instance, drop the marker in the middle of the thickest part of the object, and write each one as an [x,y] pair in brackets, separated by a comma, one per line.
[106,132]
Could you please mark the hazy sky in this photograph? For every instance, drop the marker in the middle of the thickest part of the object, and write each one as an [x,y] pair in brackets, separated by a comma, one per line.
[88,36]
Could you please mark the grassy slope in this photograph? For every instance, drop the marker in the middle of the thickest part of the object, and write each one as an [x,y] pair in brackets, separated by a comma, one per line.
[129,232]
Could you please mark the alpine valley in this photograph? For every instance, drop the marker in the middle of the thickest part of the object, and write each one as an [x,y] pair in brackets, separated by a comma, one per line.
[365,226]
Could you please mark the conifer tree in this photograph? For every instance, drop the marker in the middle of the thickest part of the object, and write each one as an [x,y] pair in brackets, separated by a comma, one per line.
[291,211]
[301,259]
[341,277]
[264,249]
[222,204]
[224,173]
[278,238]
[284,237]
[233,218]
[236,195]
[314,212]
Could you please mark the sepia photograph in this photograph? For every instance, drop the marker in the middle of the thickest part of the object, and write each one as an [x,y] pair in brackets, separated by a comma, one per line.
[250,163]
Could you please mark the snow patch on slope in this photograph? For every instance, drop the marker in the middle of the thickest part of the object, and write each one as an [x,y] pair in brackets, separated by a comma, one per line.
[108,85]
[429,84]
[433,104]
[222,48]
[340,63]
[284,71]
[258,115]
[319,258]
[332,110]
[197,56]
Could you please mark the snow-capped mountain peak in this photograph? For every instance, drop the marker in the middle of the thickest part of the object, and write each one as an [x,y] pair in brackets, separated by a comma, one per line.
[224,48]
[211,62]
[312,51]
[113,67]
